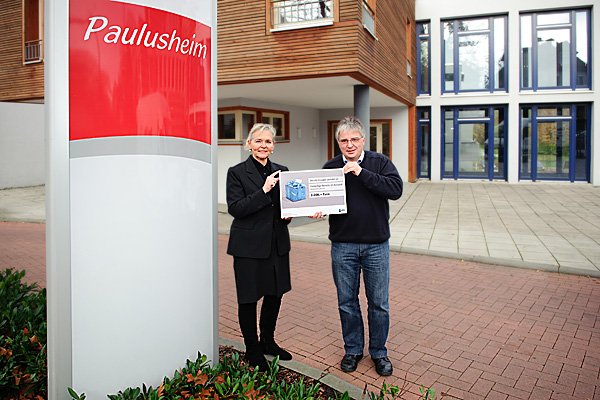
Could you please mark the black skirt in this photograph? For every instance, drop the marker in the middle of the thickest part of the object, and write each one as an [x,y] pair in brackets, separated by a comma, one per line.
[255,278]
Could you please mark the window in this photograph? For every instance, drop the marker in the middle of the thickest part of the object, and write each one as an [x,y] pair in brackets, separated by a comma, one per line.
[555,142]
[369,16]
[32,31]
[473,142]
[296,14]
[423,47]
[277,120]
[235,123]
[423,142]
[474,55]
[379,137]
[561,55]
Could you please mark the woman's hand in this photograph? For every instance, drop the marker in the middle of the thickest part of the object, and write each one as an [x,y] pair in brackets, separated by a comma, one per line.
[317,215]
[271,182]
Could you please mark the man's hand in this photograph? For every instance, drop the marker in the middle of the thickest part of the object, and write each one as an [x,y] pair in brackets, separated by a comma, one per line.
[352,167]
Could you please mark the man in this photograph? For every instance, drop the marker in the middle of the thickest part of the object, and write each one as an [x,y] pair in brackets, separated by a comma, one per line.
[359,242]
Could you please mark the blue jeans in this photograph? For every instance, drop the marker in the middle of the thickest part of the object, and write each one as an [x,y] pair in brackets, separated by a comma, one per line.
[347,261]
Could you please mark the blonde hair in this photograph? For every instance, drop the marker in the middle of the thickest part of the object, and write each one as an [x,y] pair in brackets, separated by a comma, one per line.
[259,128]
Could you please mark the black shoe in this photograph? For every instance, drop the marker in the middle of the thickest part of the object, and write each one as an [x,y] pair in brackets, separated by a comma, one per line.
[383,366]
[270,347]
[255,358]
[350,362]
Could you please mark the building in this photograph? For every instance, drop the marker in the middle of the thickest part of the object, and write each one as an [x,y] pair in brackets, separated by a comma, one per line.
[439,82]
[516,74]
[305,64]
[21,93]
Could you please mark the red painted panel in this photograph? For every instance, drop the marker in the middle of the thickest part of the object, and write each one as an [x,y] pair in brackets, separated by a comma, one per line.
[135,70]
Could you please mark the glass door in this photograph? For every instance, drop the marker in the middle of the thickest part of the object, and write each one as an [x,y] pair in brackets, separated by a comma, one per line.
[553,149]
[474,143]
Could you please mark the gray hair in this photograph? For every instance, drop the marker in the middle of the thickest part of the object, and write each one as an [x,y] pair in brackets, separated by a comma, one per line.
[259,128]
[352,124]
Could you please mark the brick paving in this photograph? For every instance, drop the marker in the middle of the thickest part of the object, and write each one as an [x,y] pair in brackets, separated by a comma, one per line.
[468,330]
[23,247]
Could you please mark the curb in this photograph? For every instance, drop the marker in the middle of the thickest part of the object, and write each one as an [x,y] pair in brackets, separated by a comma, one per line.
[314,373]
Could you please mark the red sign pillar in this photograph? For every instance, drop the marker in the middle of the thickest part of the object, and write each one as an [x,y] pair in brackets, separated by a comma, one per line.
[131,191]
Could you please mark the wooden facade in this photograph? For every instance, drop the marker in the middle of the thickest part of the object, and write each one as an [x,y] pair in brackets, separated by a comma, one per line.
[18,81]
[249,52]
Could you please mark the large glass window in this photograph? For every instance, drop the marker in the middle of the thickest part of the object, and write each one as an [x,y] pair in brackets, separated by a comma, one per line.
[474,142]
[554,142]
[555,50]
[474,55]
[423,47]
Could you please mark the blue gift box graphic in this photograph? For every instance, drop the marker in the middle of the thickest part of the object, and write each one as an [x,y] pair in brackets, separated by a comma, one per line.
[295,190]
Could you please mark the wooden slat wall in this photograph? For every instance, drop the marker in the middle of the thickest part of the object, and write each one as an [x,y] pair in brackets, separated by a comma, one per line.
[248,52]
[383,61]
[17,81]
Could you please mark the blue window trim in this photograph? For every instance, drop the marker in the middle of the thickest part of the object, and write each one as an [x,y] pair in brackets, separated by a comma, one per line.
[572,141]
[420,123]
[572,57]
[455,154]
[419,38]
[491,36]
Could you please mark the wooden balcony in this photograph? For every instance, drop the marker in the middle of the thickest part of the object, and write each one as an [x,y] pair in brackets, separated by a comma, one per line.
[265,40]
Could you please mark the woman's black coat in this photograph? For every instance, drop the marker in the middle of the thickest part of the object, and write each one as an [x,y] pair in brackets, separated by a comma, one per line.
[255,213]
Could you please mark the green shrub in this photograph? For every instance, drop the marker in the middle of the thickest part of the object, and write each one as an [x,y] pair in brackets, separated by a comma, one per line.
[23,368]
[229,379]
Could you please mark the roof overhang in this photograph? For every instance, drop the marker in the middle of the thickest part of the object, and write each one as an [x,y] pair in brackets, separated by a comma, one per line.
[320,93]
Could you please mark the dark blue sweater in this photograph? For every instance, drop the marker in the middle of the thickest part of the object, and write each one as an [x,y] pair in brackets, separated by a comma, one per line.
[367,194]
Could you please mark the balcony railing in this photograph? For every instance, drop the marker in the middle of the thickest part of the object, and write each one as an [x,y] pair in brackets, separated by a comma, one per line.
[33,51]
[293,14]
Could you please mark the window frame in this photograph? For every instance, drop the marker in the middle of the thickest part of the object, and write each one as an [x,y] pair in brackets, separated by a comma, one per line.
[456,122]
[572,119]
[572,25]
[421,122]
[275,26]
[258,116]
[32,28]
[420,37]
[491,34]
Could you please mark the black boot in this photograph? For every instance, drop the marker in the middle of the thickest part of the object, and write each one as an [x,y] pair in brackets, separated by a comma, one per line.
[254,355]
[268,319]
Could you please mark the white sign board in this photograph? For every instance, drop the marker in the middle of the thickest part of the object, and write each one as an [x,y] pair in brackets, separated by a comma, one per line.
[303,193]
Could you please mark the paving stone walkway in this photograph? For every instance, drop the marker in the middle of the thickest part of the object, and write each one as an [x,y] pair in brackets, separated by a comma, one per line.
[469,330]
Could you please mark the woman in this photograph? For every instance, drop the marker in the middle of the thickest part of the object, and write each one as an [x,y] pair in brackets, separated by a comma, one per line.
[259,242]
